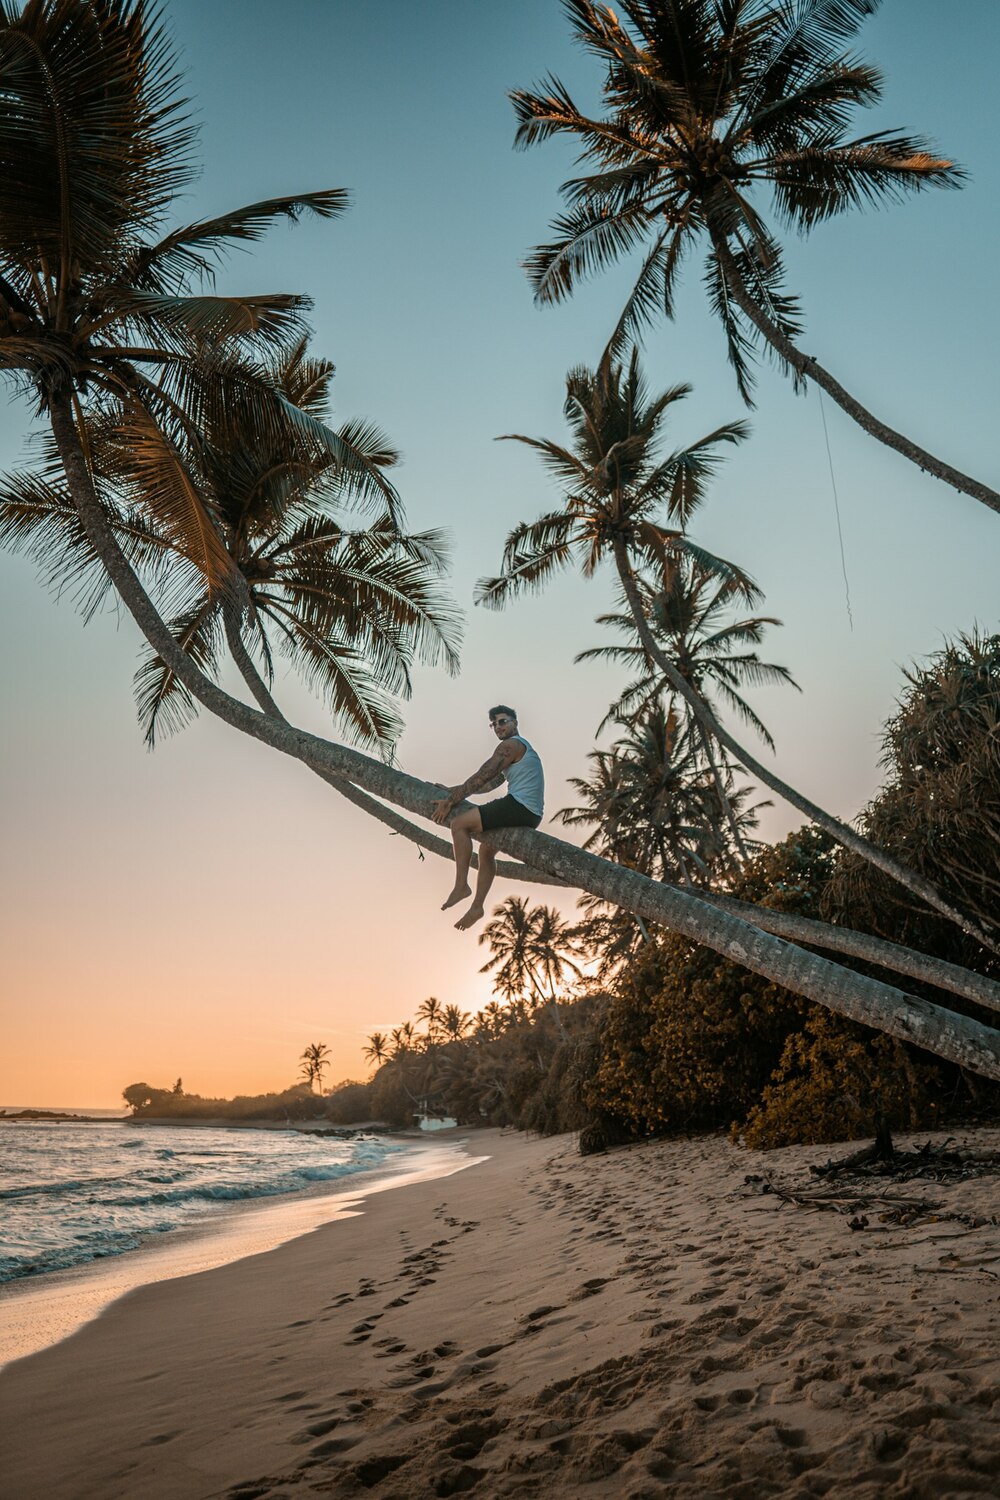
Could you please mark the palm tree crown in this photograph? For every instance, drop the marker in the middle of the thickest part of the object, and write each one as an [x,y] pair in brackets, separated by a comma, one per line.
[690,612]
[103,321]
[709,102]
[619,488]
[531,950]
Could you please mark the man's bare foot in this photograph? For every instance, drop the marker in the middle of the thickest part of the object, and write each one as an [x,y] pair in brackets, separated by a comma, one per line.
[472,916]
[458,894]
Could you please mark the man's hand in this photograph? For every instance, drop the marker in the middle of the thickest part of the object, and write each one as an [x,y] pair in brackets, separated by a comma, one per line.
[443,808]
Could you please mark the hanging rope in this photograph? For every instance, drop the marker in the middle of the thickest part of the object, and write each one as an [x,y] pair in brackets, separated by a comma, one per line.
[836,507]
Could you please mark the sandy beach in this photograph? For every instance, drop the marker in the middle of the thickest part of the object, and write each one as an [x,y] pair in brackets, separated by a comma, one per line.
[639,1324]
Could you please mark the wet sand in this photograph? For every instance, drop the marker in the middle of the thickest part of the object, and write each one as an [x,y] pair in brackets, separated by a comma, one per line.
[639,1324]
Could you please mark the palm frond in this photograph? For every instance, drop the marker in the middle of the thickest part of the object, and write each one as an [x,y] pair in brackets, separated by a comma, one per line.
[196,249]
[178,321]
[588,242]
[163,702]
[564,464]
[532,553]
[340,675]
[163,482]
[825,178]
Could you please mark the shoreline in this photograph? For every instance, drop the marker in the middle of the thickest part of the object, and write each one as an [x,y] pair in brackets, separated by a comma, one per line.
[38,1312]
[645,1323]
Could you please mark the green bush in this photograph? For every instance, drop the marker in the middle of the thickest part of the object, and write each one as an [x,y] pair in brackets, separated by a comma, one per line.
[832,1080]
[350,1103]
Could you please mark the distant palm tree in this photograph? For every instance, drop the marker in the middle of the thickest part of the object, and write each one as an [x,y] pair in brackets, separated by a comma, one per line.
[456,1024]
[403,1039]
[706,107]
[431,1012]
[490,1022]
[376,1049]
[529,946]
[618,493]
[314,1064]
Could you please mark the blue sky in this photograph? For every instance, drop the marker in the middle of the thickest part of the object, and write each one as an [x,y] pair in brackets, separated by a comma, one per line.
[214,905]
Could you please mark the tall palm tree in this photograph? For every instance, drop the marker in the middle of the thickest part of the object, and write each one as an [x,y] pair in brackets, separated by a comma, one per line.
[96,297]
[709,105]
[314,1063]
[94,145]
[618,494]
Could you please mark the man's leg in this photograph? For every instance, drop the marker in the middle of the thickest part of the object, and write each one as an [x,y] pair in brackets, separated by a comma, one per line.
[462,829]
[487,870]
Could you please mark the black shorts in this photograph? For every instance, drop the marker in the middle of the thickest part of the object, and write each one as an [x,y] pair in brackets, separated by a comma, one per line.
[507,812]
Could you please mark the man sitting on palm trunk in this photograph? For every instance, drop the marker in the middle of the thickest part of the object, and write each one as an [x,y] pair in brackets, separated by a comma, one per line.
[515,762]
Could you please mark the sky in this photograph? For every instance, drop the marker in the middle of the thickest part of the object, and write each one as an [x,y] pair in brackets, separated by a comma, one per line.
[207,910]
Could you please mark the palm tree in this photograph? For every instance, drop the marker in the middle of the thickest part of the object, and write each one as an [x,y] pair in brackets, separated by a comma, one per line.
[690,615]
[531,947]
[431,1012]
[376,1050]
[456,1024]
[403,1038]
[490,1022]
[616,487]
[509,935]
[94,145]
[314,1063]
[350,608]
[653,803]
[95,294]
[707,106]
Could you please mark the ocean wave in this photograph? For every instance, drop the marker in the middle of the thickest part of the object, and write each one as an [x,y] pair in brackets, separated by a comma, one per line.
[91,1192]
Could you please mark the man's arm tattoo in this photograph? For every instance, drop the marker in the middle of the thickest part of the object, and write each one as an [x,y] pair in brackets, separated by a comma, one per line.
[486,779]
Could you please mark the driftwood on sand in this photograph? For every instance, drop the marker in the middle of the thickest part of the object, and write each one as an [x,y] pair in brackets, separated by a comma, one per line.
[855,1192]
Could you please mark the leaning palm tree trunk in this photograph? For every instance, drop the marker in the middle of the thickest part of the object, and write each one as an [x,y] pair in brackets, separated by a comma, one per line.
[862,945]
[734,826]
[957,1038]
[798,929]
[392,820]
[810,369]
[842,832]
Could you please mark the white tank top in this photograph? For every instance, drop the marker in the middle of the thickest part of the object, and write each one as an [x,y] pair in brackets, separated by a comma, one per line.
[526,780]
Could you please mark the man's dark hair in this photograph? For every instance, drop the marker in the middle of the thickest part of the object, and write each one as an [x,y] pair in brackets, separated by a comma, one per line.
[502,708]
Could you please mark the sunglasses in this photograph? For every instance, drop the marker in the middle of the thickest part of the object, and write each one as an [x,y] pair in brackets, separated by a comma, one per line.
[500,722]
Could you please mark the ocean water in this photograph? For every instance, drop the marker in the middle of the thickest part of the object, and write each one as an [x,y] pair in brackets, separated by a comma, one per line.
[76,1193]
